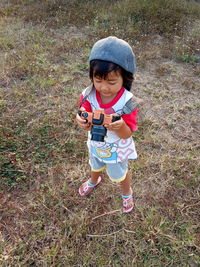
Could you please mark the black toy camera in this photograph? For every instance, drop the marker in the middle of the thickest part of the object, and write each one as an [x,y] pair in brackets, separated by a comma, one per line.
[98,118]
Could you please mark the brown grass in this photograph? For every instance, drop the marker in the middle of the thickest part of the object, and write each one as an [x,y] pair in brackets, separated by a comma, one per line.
[43,155]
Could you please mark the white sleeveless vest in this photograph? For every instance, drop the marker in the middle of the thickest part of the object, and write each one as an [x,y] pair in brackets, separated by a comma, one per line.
[113,149]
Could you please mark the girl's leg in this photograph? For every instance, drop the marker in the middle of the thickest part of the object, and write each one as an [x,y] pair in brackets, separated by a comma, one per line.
[94,177]
[128,200]
[126,186]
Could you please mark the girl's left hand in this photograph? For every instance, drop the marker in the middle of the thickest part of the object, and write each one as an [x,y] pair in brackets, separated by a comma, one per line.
[115,126]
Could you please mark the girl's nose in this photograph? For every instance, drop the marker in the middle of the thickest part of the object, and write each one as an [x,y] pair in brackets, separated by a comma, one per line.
[104,87]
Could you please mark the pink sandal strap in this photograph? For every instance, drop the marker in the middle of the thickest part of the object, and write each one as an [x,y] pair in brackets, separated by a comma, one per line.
[126,203]
[88,187]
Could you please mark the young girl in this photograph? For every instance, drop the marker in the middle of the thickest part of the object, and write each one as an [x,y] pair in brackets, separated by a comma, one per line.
[112,66]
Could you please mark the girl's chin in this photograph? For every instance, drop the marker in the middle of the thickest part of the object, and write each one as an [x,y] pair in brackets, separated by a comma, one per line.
[107,95]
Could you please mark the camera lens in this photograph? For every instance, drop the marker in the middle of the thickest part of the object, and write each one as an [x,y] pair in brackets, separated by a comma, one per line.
[98,133]
[85,115]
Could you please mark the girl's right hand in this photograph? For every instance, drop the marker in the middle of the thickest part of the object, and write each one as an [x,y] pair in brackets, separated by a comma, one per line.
[81,122]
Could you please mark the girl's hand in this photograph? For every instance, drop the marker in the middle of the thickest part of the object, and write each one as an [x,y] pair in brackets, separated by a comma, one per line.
[120,128]
[81,122]
[115,126]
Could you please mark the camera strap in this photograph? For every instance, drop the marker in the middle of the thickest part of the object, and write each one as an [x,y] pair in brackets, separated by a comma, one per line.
[87,92]
[130,106]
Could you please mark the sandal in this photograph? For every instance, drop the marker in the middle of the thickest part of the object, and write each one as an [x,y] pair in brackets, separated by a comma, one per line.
[128,203]
[86,188]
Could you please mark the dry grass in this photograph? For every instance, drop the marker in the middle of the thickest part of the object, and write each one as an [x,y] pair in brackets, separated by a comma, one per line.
[43,157]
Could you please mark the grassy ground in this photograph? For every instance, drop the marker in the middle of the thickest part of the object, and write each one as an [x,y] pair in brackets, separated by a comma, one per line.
[44,47]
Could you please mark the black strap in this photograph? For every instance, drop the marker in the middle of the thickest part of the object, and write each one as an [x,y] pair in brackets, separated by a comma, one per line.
[130,106]
[87,92]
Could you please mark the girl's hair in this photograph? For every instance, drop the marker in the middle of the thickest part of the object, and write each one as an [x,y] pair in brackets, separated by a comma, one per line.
[100,68]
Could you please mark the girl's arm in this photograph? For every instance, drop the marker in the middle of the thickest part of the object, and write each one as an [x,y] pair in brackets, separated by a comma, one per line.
[125,127]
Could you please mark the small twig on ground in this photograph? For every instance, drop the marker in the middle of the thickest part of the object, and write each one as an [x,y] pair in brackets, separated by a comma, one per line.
[106,213]
[128,231]
[46,206]
[113,233]
[189,206]
[67,209]
[104,235]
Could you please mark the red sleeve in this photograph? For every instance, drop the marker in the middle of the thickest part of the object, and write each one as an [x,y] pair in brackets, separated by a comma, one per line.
[86,104]
[131,119]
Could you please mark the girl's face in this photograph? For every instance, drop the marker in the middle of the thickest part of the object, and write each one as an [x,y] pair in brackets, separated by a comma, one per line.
[110,86]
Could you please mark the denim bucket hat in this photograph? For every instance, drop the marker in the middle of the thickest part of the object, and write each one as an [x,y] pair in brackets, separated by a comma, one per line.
[114,50]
